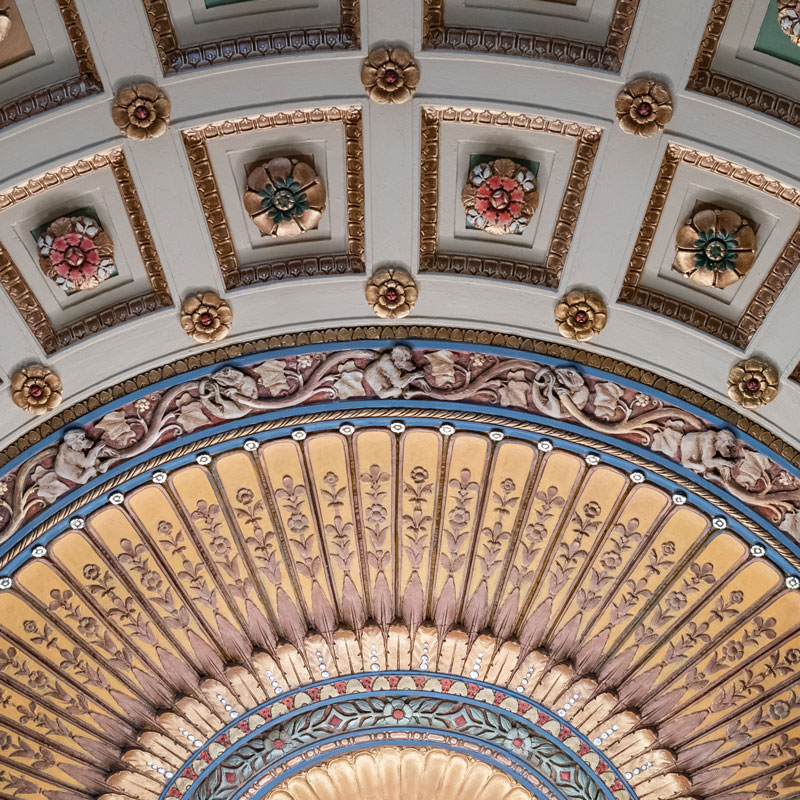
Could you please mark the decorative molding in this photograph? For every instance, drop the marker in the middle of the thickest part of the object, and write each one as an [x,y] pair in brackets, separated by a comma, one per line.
[85,84]
[438,35]
[547,274]
[484,338]
[175,58]
[172,415]
[352,262]
[706,80]
[738,333]
[795,376]
[53,339]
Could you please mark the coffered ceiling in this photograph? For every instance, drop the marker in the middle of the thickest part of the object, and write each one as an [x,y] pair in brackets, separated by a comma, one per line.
[536,83]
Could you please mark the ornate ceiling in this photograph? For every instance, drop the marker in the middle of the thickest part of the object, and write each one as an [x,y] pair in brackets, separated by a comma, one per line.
[330,558]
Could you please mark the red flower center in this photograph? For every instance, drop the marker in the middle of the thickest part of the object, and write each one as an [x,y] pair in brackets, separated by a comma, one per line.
[398,714]
[500,199]
[390,76]
[74,256]
[141,112]
[35,391]
[753,384]
[517,742]
[206,319]
[644,109]
[278,744]
[391,295]
[581,317]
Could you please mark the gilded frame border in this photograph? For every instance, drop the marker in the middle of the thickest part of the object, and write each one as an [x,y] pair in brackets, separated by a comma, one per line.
[176,58]
[233,273]
[737,333]
[85,84]
[50,338]
[547,274]
[705,79]
[438,35]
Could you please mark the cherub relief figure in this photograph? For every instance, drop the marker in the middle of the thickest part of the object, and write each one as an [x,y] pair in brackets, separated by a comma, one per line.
[79,459]
[550,384]
[393,373]
[704,452]
[228,393]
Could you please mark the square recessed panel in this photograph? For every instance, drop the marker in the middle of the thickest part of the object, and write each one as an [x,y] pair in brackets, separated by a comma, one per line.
[564,153]
[221,156]
[743,59]
[46,62]
[689,180]
[593,33]
[103,185]
[199,33]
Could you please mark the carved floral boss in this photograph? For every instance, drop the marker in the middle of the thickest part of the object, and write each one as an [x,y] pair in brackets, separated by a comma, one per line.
[716,247]
[500,196]
[285,197]
[76,253]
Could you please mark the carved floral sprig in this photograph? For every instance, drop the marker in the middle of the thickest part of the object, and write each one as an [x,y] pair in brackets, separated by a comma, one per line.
[392,293]
[36,389]
[390,75]
[753,383]
[141,111]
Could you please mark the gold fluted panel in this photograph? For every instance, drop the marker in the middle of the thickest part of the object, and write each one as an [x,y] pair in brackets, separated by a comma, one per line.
[261,560]
[401,773]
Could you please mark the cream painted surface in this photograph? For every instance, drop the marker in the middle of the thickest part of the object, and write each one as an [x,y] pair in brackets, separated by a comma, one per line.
[663,44]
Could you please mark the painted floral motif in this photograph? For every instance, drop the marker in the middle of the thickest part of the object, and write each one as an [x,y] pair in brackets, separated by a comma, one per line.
[76,253]
[285,197]
[644,107]
[753,383]
[390,75]
[578,775]
[5,25]
[398,712]
[500,197]
[580,314]
[141,111]
[36,389]
[716,247]
[392,293]
[789,19]
[206,317]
